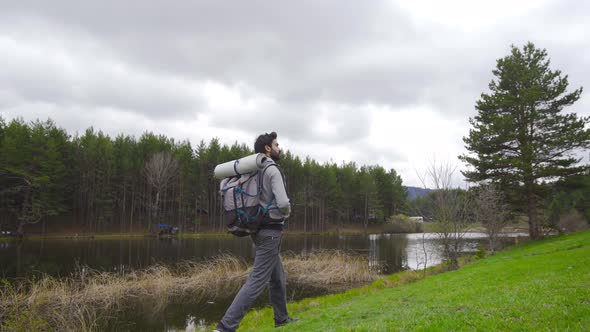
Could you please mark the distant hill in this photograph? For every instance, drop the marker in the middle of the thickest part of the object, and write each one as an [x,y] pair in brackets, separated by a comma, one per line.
[414,192]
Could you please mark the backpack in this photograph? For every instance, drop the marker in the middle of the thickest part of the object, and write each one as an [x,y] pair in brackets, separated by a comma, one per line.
[242,210]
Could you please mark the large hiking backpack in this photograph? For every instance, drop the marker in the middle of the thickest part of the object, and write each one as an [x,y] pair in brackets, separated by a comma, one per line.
[242,210]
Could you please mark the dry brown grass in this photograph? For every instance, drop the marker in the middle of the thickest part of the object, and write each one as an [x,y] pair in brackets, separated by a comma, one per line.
[329,269]
[76,303]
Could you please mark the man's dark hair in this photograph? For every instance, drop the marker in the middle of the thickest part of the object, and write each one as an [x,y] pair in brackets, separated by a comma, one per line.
[264,140]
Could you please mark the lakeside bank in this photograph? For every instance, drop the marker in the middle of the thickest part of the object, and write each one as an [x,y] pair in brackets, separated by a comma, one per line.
[538,286]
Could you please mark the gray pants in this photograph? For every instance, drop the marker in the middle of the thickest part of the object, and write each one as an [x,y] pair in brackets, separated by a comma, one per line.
[267,267]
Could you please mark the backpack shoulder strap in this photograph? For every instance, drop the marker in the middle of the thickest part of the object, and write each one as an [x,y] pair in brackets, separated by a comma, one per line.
[261,176]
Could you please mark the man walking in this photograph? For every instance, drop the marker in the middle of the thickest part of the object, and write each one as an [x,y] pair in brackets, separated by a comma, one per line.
[268,266]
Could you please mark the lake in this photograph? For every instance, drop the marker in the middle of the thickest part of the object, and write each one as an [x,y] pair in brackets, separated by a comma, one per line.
[387,253]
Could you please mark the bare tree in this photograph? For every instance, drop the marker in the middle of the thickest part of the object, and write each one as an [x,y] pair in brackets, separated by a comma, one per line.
[450,210]
[491,211]
[422,258]
[159,171]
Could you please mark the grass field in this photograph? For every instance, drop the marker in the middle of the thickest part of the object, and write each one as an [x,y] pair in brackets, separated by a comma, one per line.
[535,286]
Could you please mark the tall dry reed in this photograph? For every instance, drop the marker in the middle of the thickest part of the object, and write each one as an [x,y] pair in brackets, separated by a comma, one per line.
[329,269]
[76,303]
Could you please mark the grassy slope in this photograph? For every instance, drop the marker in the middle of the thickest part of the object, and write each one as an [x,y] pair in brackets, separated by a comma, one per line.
[541,285]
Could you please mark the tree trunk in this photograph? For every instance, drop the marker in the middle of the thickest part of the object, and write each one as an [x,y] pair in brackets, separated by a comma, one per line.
[366,221]
[197,222]
[20,229]
[179,217]
[305,217]
[122,220]
[155,210]
[132,208]
[147,206]
[532,212]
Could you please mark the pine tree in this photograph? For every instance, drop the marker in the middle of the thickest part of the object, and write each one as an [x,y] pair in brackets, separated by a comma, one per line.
[521,138]
[33,171]
[94,183]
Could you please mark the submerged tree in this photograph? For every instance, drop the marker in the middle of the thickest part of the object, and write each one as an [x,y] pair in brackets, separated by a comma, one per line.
[450,209]
[521,138]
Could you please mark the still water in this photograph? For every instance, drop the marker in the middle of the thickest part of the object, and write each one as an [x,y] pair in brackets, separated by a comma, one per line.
[388,253]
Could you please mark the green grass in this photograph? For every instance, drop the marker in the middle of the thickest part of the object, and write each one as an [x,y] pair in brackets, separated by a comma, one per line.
[536,286]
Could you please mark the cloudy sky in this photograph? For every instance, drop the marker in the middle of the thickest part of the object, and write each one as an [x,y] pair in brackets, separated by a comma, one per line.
[377,82]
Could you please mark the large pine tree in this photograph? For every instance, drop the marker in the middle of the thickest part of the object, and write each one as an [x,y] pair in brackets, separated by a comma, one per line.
[521,138]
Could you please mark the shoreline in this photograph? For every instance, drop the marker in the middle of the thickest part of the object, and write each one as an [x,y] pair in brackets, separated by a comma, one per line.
[209,234]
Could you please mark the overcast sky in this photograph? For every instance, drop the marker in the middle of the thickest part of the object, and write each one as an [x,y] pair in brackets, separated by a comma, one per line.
[376,82]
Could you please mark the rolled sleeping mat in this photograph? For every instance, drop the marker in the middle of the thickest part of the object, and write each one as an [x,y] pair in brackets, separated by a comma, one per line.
[244,165]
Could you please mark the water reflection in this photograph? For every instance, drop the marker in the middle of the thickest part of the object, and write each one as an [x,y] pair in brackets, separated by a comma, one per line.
[387,253]
[425,250]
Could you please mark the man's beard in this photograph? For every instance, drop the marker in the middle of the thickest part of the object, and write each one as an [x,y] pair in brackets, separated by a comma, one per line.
[275,156]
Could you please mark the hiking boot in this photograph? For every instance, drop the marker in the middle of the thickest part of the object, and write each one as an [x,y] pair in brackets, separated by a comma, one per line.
[221,328]
[286,321]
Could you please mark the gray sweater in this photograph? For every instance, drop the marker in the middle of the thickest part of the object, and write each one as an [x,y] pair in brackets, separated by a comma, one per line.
[273,191]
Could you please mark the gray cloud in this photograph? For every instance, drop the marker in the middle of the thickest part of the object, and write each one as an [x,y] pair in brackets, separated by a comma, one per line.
[308,69]
[66,71]
[297,52]
[285,48]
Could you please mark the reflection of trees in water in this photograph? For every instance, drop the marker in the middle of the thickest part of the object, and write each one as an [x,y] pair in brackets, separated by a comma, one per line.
[393,252]
[389,252]
[386,252]
[374,262]
[423,250]
[415,258]
[429,252]
[24,261]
